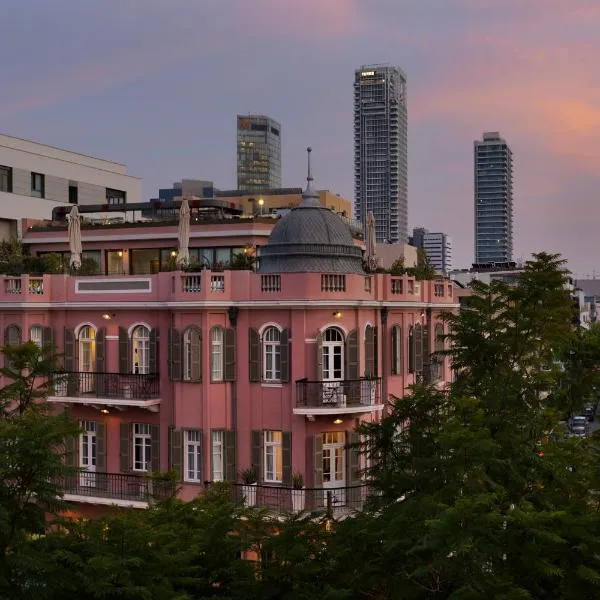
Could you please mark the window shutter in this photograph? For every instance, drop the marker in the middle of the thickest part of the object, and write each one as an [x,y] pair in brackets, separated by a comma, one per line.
[285,354]
[196,352]
[375,351]
[418,343]
[12,335]
[394,352]
[257,454]
[176,451]
[101,447]
[201,465]
[352,356]
[229,352]
[230,474]
[155,448]
[369,351]
[101,350]
[319,361]
[318,459]
[174,354]
[47,336]
[69,350]
[411,349]
[427,368]
[286,457]
[354,478]
[254,355]
[124,353]
[153,352]
[126,441]
[72,451]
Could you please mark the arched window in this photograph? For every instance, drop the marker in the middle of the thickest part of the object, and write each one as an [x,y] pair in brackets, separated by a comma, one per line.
[86,340]
[216,354]
[333,354]
[140,349]
[272,354]
[192,353]
[36,335]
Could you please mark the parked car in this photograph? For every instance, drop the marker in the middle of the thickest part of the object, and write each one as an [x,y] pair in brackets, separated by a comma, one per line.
[579,426]
[590,412]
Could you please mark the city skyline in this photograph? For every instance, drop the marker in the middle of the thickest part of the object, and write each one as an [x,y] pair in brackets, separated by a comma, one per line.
[526,71]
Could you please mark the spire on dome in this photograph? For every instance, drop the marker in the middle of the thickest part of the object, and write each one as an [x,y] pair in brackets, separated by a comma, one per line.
[310,198]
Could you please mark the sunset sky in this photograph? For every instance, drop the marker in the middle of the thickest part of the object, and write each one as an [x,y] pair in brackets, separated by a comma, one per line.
[157,84]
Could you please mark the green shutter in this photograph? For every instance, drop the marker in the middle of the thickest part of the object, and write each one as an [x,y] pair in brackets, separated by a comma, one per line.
[174,354]
[72,450]
[375,351]
[318,459]
[153,352]
[418,344]
[394,348]
[253,355]
[369,351]
[319,361]
[100,379]
[69,350]
[155,448]
[352,356]
[256,455]
[286,457]
[176,451]
[47,336]
[229,372]
[124,352]
[101,447]
[411,349]
[125,447]
[285,354]
[354,476]
[229,438]
[196,354]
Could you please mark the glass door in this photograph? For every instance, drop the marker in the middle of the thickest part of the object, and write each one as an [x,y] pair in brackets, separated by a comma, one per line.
[88,454]
[334,467]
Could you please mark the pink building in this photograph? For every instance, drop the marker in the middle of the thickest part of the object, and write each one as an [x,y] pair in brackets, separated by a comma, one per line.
[210,373]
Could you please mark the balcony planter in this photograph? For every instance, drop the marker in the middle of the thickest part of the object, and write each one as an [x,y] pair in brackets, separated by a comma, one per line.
[249,490]
[298,493]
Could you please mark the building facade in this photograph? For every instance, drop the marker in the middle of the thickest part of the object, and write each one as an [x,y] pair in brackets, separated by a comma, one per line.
[35,178]
[258,153]
[493,205]
[213,373]
[381,151]
[437,247]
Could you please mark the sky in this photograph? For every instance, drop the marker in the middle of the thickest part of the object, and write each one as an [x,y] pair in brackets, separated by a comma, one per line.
[157,85]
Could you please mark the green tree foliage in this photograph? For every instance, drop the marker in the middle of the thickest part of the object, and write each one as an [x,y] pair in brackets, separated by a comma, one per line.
[32,441]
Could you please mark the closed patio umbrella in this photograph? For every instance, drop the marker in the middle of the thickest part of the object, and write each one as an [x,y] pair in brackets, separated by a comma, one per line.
[371,258]
[183,252]
[75,238]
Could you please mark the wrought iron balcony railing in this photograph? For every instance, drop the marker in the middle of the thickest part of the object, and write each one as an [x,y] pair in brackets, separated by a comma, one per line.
[355,393]
[118,386]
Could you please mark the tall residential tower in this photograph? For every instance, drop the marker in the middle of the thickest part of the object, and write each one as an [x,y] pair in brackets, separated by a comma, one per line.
[493,199]
[380,150]
[258,153]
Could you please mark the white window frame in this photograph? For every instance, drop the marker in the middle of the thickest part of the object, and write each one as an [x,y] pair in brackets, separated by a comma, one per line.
[333,339]
[140,349]
[187,352]
[217,350]
[36,335]
[271,354]
[86,338]
[273,456]
[217,444]
[192,458]
[142,438]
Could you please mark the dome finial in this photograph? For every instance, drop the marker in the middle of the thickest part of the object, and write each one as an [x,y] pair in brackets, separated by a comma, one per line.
[310,198]
[309,176]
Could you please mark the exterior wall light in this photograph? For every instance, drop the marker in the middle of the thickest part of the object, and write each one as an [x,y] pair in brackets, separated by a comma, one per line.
[108,316]
[337,314]
[338,422]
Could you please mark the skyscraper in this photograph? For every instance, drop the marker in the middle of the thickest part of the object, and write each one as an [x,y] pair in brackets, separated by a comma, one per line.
[493,199]
[437,247]
[258,153]
[380,150]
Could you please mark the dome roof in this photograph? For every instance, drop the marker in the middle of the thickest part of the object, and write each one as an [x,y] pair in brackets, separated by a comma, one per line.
[311,239]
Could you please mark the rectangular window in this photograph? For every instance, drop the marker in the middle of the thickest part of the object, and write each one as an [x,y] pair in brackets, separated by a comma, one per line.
[6,179]
[216,355]
[217,455]
[142,446]
[73,194]
[37,185]
[115,196]
[193,455]
[273,457]
[35,335]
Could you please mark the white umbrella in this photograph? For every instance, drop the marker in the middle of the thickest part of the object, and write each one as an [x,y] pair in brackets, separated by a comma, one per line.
[75,237]
[371,241]
[183,252]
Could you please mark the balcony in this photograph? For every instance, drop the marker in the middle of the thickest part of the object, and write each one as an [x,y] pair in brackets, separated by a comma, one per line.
[335,502]
[115,489]
[338,397]
[119,390]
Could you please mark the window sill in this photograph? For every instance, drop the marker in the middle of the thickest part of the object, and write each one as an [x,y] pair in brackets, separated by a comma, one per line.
[271,384]
[195,482]
[272,483]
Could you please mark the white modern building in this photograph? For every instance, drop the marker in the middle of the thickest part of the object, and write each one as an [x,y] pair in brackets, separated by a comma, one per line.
[36,178]
[436,245]
[380,151]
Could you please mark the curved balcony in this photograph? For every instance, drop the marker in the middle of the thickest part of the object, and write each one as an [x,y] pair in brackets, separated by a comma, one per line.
[338,397]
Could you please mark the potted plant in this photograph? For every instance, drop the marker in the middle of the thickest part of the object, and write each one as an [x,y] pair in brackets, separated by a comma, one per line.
[298,492]
[249,480]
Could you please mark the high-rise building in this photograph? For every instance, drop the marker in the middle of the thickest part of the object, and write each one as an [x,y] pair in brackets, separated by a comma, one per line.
[380,150]
[258,153]
[437,247]
[493,200]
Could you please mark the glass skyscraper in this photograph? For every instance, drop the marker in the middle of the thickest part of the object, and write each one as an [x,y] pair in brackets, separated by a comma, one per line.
[258,153]
[380,150]
[493,200]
